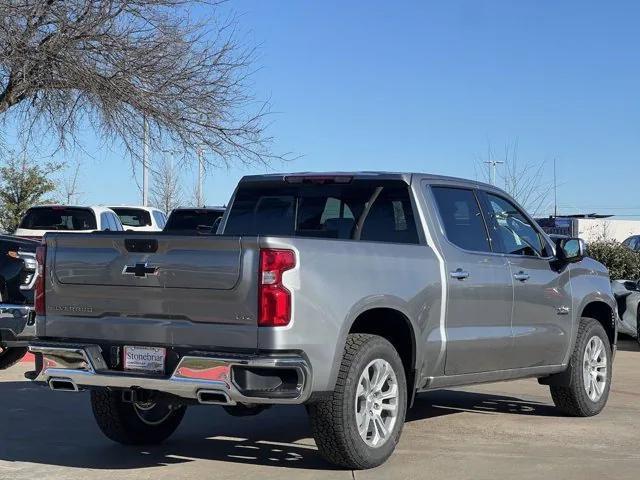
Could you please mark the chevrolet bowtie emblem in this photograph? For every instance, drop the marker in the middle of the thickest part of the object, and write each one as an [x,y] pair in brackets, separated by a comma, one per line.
[141,270]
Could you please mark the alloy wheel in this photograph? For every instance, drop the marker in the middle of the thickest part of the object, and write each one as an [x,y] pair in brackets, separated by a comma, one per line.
[377,402]
[594,371]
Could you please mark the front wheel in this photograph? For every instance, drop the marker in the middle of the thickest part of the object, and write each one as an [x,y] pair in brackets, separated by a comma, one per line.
[360,424]
[134,423]
[590,369]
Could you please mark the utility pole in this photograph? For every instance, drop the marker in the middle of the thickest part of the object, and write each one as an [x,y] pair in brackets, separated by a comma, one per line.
[200,175]
[555,191]
[145,162]
[493,164]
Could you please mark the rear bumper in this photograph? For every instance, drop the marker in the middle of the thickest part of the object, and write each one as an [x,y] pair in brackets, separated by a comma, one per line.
[205,377]
[17,324]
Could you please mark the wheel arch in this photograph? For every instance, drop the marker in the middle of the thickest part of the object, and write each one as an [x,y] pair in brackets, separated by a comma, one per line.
[393,324]
[605,314]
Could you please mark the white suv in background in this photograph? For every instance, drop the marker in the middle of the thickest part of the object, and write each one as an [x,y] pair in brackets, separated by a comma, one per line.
[141,219]
[67,218]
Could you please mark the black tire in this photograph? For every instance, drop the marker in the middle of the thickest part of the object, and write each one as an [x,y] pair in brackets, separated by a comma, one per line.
[573,399]
[10,356]
[120,421]
[333,420]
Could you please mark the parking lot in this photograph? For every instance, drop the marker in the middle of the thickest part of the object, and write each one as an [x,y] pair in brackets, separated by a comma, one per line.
[490,431]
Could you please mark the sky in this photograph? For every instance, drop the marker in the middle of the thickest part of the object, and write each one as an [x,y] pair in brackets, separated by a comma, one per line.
[427,86]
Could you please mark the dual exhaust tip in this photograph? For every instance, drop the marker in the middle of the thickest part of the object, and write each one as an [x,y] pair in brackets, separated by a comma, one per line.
[205,397]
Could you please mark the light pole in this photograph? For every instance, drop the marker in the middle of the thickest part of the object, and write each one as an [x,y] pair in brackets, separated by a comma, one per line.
[145,162]
[200,175]
[493,164]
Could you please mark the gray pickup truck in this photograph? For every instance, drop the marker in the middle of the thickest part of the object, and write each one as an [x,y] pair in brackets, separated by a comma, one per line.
[348,293]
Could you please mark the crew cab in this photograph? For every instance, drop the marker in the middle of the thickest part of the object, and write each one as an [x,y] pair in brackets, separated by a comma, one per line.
[346,292]
[17,279]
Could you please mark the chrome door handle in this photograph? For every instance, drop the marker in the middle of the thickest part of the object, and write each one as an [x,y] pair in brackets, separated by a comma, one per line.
[459,274]
[523,277]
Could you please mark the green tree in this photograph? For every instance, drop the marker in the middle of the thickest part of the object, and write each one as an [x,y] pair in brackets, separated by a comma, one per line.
[622,262]
[23,184]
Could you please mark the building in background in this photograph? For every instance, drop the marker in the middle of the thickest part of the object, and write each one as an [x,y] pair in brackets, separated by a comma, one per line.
[590,227]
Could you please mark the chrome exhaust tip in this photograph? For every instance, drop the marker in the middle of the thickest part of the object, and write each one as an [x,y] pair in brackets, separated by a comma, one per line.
[63,385]
[213,397]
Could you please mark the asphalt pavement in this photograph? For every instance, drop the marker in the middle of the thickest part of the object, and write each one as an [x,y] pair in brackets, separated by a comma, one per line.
[495,431]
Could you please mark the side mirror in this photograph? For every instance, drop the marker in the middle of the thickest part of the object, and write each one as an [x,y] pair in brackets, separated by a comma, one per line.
[570,250]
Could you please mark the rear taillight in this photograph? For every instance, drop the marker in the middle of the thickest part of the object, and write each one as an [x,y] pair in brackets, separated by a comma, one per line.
[274,299]
[39,297]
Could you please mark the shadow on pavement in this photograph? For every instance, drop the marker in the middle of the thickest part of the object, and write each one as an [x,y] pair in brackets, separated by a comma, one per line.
[446,402]
[55,428]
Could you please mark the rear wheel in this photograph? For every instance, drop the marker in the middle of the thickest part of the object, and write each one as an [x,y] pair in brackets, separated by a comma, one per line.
[590,373]
[134,423]
[11,356]
[359,426]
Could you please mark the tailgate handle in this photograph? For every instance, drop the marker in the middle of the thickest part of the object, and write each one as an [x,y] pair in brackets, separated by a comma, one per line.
[141,245]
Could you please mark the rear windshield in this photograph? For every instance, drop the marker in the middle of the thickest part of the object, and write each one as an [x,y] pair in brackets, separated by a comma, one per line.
[59,218]
[192,220]
[133,217]
[361,210]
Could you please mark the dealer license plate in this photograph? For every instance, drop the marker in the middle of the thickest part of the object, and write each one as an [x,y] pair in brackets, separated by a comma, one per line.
[146,359]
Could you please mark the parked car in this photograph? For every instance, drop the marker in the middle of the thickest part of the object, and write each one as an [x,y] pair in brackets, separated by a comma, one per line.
[627,294]
[66,218]
[632,243]
[141,219]
[194,220]
[17,278]
[348,293]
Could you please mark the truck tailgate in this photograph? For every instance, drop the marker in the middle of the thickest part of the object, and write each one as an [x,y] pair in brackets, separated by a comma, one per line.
[159,288]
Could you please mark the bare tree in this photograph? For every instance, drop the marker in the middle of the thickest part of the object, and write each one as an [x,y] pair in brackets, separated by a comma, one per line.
[166,188]
[523,180]
[70,184]
[112,63]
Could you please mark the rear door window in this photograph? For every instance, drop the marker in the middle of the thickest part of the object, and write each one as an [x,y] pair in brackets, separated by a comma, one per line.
[361,209]
[462,218]
[59,218]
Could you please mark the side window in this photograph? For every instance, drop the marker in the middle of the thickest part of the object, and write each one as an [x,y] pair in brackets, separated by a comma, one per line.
[104,221]
[510,230]
[462,218]
[390,218]
[159,218]
[117,225]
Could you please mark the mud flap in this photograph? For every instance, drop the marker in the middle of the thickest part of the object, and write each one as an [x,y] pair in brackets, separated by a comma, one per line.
[562,379]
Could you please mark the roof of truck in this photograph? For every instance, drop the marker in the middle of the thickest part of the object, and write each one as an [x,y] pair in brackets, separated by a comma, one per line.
[361,175]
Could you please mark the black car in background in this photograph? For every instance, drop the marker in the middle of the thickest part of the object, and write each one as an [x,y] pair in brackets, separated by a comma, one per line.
[17,279]
[194,220]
